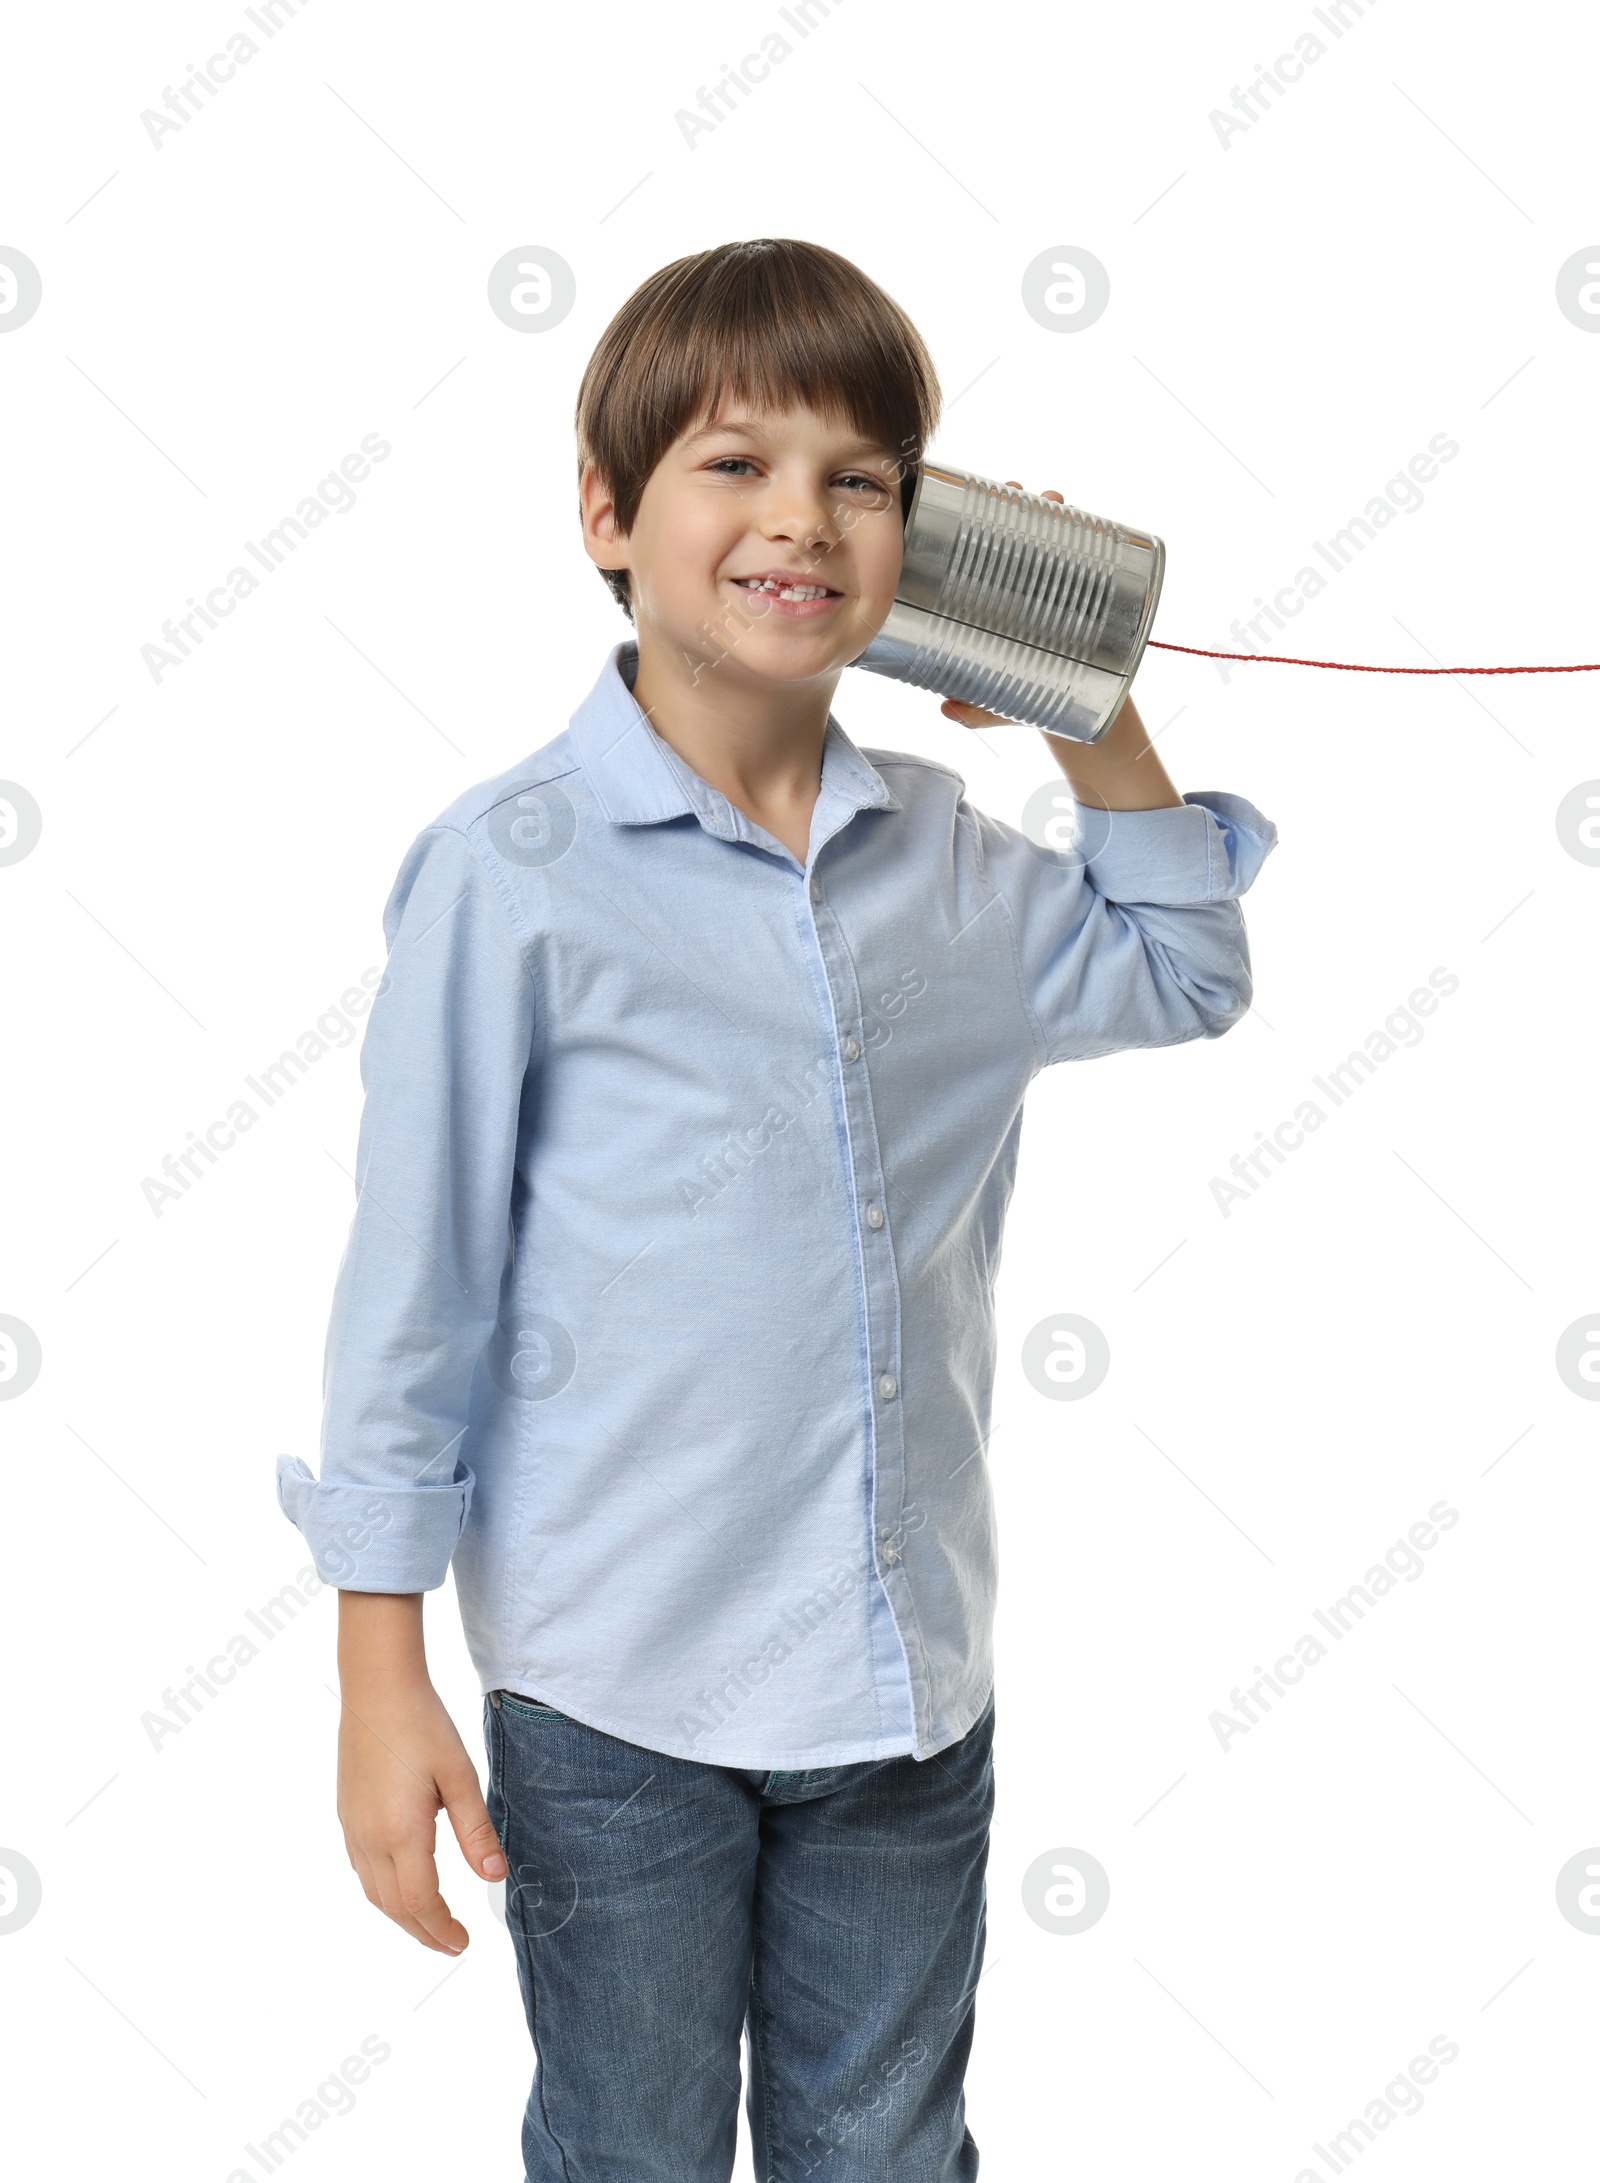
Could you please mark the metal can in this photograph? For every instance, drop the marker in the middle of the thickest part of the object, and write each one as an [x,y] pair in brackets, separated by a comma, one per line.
[1029,607]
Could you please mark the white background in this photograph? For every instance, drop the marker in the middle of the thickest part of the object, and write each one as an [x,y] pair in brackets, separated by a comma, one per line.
[1292,317]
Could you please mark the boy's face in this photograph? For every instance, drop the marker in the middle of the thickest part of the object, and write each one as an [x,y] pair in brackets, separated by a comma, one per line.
[793,497]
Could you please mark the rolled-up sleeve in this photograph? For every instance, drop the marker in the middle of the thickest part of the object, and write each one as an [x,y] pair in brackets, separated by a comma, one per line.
[1136,937]
[443,1066]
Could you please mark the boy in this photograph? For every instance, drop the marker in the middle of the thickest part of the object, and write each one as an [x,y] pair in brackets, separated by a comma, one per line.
[692,1107]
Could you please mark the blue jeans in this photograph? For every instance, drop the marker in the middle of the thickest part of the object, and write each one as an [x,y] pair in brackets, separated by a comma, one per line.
[662,1909]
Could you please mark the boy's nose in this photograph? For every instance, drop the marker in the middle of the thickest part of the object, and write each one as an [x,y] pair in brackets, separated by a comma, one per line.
[803,518]
[813,541]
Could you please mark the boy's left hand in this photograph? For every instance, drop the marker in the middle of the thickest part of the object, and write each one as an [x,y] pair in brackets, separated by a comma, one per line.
[974,716]
[1119,773]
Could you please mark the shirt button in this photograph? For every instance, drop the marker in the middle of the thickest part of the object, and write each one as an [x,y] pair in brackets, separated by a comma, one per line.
[852,1051]
[816,890]
[874,1216]
[890,1554]
[888,1387]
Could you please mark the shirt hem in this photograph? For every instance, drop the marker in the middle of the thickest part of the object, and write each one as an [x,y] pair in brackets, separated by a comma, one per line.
[850,1752]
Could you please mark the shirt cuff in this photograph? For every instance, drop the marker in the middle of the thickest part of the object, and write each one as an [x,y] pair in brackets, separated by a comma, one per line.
[1209,848]
[376,1538]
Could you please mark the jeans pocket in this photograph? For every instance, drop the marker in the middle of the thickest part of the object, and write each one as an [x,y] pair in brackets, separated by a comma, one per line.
[529,1709]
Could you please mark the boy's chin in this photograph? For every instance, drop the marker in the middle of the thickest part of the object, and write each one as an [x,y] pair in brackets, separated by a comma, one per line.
[785,656]
[796,661]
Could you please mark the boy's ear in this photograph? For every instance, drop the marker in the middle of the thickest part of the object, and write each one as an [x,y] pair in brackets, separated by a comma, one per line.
[605,545]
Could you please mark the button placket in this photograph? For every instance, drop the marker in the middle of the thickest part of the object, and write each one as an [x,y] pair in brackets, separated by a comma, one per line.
[879,1277]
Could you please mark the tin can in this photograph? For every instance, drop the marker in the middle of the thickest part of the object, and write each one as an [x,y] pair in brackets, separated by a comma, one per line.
[1029,607]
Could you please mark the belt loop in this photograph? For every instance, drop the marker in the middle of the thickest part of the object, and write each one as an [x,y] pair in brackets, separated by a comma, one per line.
[494,1699]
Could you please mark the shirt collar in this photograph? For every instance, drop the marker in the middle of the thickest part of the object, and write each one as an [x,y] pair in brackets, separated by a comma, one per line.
[640,780]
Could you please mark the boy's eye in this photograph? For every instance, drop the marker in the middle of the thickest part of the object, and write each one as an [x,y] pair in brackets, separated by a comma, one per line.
[859,481]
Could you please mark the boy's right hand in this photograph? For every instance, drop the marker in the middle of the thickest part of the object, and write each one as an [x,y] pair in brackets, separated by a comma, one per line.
[402,1761]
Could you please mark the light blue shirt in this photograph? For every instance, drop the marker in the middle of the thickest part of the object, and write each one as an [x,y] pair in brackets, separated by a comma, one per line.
[666,1317]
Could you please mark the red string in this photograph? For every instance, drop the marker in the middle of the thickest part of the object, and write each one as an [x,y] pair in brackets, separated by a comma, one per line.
[1349,667]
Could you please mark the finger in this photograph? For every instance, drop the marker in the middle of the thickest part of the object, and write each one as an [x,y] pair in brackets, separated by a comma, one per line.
[417,1882]
[384,1894]
[473,1828]
[362,1868]
[972,716]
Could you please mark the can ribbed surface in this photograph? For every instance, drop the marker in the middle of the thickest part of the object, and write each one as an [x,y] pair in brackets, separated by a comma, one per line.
[1029,607]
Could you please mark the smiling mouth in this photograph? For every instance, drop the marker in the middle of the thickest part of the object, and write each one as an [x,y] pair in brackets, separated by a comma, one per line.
[779,587]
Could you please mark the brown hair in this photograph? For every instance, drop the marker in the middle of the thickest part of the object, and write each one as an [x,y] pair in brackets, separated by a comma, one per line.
[772,322]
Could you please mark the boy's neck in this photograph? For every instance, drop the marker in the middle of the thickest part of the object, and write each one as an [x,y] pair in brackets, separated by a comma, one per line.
[758,742]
